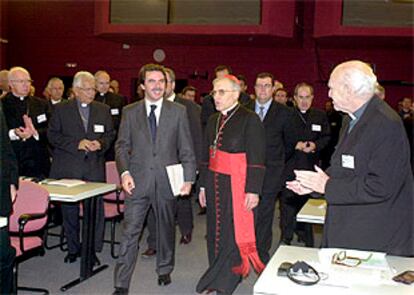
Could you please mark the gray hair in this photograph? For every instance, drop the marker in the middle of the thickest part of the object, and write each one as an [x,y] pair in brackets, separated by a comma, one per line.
[13,70]
[54,79]
[80,77]
[234,85]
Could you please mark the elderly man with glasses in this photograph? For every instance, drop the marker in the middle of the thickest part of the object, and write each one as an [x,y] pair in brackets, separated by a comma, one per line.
[26,119]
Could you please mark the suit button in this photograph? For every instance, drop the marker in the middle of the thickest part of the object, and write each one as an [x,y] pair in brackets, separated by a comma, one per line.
[154,154]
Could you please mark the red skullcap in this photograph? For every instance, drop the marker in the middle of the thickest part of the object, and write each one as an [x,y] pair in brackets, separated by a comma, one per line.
[233,78]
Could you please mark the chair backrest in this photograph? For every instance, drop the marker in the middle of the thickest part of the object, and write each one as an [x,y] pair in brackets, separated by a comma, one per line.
[31,199]
[112,176]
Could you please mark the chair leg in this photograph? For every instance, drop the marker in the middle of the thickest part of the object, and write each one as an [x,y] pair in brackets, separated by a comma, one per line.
[16,287]
[113,224]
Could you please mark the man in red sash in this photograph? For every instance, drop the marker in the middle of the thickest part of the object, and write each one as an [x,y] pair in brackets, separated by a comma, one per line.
[231,178]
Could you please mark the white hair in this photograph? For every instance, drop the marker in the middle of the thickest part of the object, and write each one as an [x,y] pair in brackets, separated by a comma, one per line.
[359,77]
[234,85]
[54,79]
[80,77]
[13,70]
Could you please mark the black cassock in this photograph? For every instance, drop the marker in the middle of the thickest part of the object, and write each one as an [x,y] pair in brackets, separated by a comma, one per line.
[240,131]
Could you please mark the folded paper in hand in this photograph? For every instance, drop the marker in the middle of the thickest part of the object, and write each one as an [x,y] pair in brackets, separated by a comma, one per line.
[65,182]
[176,177]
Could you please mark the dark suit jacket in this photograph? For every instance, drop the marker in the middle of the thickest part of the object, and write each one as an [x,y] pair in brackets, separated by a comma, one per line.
[370,203]
[8,168]
[31,149]
[313,126]
[116,104]
[280,144]
[66,131]
[193,113]
[147,161]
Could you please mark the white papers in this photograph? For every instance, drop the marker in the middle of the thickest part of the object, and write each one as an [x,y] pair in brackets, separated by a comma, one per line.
[3,221]
[176,177]
[64,182]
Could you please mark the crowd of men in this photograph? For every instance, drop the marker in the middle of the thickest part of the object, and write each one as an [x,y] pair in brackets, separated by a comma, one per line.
[279,142]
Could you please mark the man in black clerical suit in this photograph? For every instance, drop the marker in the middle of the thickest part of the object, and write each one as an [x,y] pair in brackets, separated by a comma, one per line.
[80,133]
[27,119]
[184,206]
[369,185]
[55,88]
[114,101]
[280,144]
[8,184]
[312,132]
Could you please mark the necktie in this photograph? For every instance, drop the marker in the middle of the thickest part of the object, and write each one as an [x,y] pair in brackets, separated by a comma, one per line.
[153,122]
[261,113]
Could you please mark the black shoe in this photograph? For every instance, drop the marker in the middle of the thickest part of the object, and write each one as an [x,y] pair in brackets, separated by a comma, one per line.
[185,239]
[120,291]
[96,261]
[149,253]
[164,280]
[71,258]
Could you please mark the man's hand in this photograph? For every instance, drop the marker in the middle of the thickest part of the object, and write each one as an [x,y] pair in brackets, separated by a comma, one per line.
[84,145]
[23,133]
[28,124]
[310,147]
[128,183]
[251,201]
[13,192]
[297,188]
[315,181]
[185,189]
[202,198]
[300,145]
[94,146]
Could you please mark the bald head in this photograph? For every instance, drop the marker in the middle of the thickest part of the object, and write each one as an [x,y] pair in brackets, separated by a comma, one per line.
[351,85]
[102,80]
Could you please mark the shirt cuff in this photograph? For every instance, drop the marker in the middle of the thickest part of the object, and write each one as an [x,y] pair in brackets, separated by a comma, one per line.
[12,135]
[125,173]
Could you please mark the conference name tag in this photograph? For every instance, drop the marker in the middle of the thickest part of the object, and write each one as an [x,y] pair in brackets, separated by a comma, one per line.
[316,127]
[41,118]
[98,128]
[114,112]
[348,161]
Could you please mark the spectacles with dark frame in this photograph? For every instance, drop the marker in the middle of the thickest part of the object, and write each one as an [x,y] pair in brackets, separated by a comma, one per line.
[341,258]
[220,92]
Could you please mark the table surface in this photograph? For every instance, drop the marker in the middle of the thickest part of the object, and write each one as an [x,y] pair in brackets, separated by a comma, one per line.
[79,192]
[270,283]
[313,212]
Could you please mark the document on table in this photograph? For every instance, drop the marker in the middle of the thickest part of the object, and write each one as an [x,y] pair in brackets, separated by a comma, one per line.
[176,177]
[64,182]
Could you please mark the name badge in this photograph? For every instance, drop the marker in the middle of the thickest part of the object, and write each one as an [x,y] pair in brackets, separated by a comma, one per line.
[333,124]
[114,112]
[98,128]
[316,128]
[348,161]
[41,118]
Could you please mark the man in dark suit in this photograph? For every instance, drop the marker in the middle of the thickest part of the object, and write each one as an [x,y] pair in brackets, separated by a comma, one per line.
[280,145]
[8,184]
[312,132]
[369,186]
[114,101]
[80,132]
[27,118]
[184,206]
[154,134]
[55,88]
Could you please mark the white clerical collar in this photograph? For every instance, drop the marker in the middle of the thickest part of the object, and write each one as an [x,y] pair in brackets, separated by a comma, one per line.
[171,97]
[102,94]
[21,98]
[55,101]
[224,112]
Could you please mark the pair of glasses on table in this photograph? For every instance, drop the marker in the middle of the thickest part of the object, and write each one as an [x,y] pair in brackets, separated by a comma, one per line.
[341,258]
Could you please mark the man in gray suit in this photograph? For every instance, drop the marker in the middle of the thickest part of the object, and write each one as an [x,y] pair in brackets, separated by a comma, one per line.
[154,134]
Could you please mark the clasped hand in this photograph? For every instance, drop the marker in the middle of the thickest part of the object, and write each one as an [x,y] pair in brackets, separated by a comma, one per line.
[89,145]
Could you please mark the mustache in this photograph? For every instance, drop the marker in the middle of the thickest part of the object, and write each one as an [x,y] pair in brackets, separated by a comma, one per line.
[157,89]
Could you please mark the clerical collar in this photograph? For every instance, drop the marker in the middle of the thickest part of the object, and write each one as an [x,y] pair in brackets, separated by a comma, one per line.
[230,109]
[358,113]
[171,97]
[55,101]
[102,94]
[82,104]
[21,98]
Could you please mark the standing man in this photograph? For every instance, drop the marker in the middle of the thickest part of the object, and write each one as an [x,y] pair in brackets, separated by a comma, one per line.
[369,186]
[27,120]
[114,101]
[55,88]
[190,93]
[80,132]
[154,134]
[312,133]
[8,184]
[231,180]
[280,144]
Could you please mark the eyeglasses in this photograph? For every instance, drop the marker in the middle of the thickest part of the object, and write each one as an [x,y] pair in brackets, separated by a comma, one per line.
[21,81]
[220,92]
[263,86]
[341,258]
[90,89]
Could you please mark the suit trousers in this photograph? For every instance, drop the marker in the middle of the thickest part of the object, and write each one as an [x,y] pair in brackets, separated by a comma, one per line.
[264,215]
[290,205]
[71,224]
[7,255]
[136,210]
[184,220]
